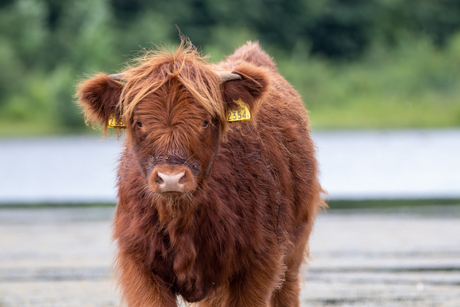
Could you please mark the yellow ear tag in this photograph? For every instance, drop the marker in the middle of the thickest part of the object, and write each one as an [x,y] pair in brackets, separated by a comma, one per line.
[114,123]
[238,113]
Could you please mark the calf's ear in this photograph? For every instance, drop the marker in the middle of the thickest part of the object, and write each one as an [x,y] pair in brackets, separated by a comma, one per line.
[99,98]
[250,89]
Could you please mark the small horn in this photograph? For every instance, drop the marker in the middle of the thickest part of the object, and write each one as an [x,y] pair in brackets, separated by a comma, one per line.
[119,77]
[227,76]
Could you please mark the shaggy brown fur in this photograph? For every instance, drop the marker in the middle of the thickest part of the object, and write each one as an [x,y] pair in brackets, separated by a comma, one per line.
[238,232]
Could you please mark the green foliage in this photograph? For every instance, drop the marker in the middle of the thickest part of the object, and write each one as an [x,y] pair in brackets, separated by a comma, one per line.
[11,70]
[414,85]
[356,63]
[23,26]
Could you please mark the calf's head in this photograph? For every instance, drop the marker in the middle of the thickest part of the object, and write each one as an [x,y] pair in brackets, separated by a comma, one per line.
[174,107]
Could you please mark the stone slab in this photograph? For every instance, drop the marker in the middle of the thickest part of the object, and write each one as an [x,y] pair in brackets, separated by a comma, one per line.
[63,256]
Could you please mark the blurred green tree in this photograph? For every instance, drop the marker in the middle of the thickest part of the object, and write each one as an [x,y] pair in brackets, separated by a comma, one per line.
[327,48]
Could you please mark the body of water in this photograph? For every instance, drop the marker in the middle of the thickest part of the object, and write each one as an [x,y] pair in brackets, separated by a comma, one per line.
[354,165]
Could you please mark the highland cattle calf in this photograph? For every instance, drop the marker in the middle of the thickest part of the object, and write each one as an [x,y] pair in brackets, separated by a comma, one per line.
[217,184]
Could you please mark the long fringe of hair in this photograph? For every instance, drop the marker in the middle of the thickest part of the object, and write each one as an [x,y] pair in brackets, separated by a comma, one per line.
[156,68]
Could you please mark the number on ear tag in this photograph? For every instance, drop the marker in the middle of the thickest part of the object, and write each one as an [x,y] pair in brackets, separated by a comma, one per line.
[114,123]
[238,113]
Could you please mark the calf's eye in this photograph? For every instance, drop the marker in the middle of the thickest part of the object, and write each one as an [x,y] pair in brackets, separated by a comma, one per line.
[205,123]
[138,123]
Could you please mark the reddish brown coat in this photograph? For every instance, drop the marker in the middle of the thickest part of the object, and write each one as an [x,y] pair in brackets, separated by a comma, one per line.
[238,232]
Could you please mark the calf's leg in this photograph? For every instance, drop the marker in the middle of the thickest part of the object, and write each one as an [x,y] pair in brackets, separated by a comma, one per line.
[254,287]
[141,288]
[288,294]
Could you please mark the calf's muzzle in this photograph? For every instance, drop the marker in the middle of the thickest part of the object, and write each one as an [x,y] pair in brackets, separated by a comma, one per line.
[167,178]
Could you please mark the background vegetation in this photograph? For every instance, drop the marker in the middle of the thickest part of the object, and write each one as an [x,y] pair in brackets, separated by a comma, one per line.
[356,63]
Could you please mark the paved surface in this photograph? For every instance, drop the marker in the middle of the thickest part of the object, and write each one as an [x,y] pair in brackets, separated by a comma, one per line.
[394,257]
[354,165]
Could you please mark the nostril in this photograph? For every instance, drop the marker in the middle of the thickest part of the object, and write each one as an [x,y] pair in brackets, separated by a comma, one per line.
[183,179]
[159,180]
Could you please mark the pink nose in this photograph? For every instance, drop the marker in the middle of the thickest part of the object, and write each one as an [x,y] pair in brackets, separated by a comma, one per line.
[171,182]
[172,178]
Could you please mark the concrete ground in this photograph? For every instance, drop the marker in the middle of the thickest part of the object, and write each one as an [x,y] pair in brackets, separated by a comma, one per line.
[378,257]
